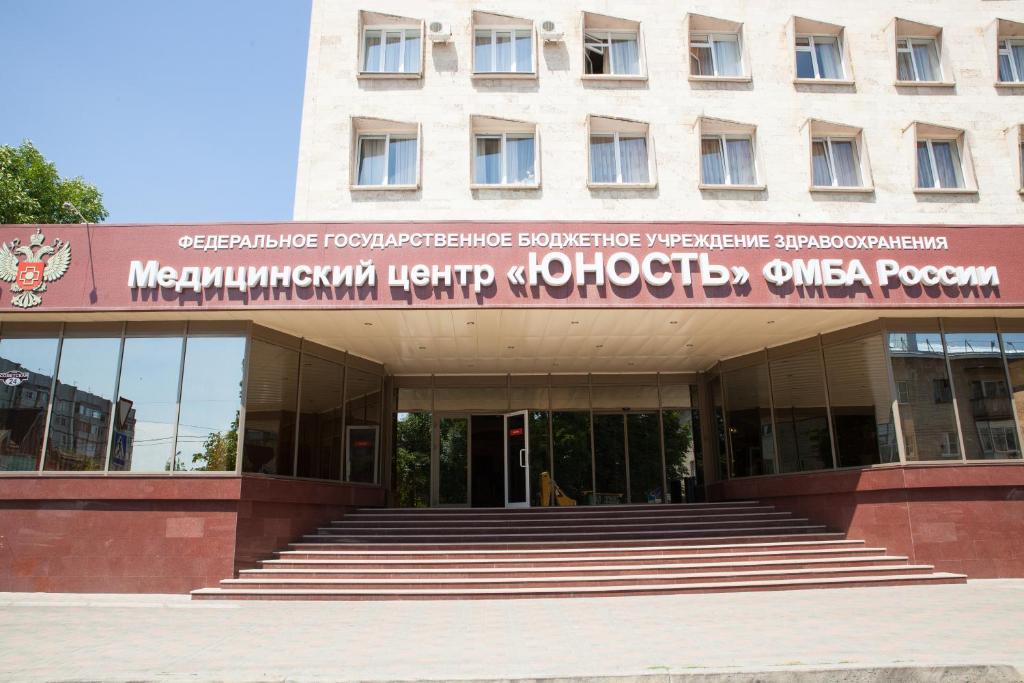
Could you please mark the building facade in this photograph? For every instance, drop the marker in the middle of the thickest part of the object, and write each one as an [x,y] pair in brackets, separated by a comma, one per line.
[649,253]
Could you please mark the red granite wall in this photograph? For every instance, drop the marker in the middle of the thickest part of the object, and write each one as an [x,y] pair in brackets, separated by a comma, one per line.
[960,518]
[153,534]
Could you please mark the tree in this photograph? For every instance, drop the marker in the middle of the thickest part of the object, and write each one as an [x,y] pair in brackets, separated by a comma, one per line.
[219,451]
[31,190]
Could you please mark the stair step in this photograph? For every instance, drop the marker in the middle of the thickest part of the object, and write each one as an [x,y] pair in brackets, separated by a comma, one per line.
[577,591]
[570,515]
[549,521]
[486,526]
[558,510]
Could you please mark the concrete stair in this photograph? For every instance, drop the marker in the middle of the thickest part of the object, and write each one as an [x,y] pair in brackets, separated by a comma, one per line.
[495,553]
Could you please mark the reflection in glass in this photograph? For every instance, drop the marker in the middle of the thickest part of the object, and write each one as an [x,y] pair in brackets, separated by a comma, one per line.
[270,409]
[320,414]
[412,459]
[749,416]
[82,404]
[143,438]
[211,396]
[858,390]
[798,389]
[718,446]
[571,447]
[453,461]
[27,365]
[983,401]
[540,453]
[362,408]
[925,396]
[645,484]
[609,459]
[680,460]
[1013,347]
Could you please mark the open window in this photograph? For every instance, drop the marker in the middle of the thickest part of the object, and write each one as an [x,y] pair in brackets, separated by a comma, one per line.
[839,159]
[821,53]
[728,155]
[943,160]
[503,46]
[920,58]
[505,154]
[385,154]
[612,48]
[390,46]
[1009,53]
[715,49]
[620,153]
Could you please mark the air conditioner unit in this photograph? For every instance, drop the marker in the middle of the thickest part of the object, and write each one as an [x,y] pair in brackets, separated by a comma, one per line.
[550,31]
[439,31]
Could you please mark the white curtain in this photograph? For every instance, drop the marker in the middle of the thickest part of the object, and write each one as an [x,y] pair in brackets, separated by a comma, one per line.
[482,52]
[371,51]
[712,164]
[927,60]
[392,51]
[924,167]
[402,161]
[700,61]
[844,159]
[371,161]
[904,66]
[1018,58]
[830,64]
[633,160]
[488,160]
[819,163]
[1005,74]
[602,159]
[947,161]
[503,56]
[626,56]
[727,57]
[520,160]
[740,153]
[524,52]
[412,51]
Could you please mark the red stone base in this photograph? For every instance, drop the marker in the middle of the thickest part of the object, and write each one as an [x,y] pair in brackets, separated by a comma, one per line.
[960,518]
[154,534]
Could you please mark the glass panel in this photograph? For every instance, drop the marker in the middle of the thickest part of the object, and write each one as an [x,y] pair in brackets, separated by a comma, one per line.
[798,388]
[453,461]
[624,397]
[819,163]
[320,415]
[488,160]
[700,61]
[925,396]
[503,51]
[858,389]
[926,58]
[412,51]
[27,367]
[609,460]
[595,52]
[947,161]
[804,64]
[211,397]
[402,161]
[844,158]
[748,412]
[143,439]
[392,51]
[371,51]
[371,161]
[625,55]
[904,65]
[676,395]
[520,162]
[528,397]
[472,398]
[570,398]
[633,159]
[82,404]
[983,401]
[644,432]
[414,399]
[1017,50]
[571,446]
[718,416]
[740,152]
[712,162]
[516,454]
[602,159]
[1013,346]
[361,445]
[540,453]
[830,64]
[270,404]
[925,178]
[1005,70]
[412,459]
[727,56]
[362,408]
[680,461]
[482,52]
[524,52]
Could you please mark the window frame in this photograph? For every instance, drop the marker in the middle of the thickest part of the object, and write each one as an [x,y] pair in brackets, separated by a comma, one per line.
[616,136]
[387,136]
[909,49]
[608,34]
[817,78]
[722,137]
[960,171]
[383,29]
[504,184]
[1004,49]
[709,43]
[828,140]
[494,29]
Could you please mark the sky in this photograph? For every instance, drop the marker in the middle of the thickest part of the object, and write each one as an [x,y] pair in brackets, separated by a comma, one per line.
[178,110]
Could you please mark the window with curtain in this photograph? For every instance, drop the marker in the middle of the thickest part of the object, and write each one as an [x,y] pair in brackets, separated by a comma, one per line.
[503,51]
[619,158]
[835,162]
[504,159]
[391,51]
[715,54]
[917,59]
[727,160]
[939,164]
[387,160]
[819,57]
[1011,61]
[611,53]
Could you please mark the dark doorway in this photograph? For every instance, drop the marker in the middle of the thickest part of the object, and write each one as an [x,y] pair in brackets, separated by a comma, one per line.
[487,457]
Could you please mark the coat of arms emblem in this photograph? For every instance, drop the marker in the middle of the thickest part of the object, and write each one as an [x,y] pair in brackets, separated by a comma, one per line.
[24,266]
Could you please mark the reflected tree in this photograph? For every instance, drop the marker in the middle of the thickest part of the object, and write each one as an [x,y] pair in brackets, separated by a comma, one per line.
[219,451]
[412,459]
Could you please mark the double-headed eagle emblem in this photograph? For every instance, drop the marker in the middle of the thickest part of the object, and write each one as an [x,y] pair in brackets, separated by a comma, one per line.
[30,274]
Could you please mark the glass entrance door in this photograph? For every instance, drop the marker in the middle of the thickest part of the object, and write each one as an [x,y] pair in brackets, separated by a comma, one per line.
[517,460]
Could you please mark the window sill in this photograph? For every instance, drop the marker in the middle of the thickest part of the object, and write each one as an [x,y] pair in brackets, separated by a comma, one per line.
[503,76]
[1009,85]
[720,79]
[613,77]
[852,189]
[925,84]
[733,188]
[387,76]
[383,188]
[945,190]
[841,82]
[621,186]
[496,186]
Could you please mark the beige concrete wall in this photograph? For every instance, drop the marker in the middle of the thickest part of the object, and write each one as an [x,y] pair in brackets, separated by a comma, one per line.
[559,101]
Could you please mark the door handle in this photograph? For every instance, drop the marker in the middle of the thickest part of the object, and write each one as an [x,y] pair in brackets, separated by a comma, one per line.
[522,458]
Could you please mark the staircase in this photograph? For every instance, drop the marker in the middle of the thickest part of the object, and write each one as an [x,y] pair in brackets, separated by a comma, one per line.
[494,553]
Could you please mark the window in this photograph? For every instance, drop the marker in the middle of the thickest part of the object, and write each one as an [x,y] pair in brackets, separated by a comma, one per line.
[819,57]
[611,53]
[715,54]
[31,352]
[917,59]
[727,160]
[504,159]
[950,445]
[939,165]
[903,392]
[619,158]
[1011,60]
[388,160]
[927,416]
[835,162]
[503,51]
[391,50]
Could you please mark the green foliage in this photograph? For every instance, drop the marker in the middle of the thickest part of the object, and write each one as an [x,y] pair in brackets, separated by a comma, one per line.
[31,190]
[412,459]
[219,451]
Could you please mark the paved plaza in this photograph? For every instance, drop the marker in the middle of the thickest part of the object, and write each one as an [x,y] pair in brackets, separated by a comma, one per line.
[170,638]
